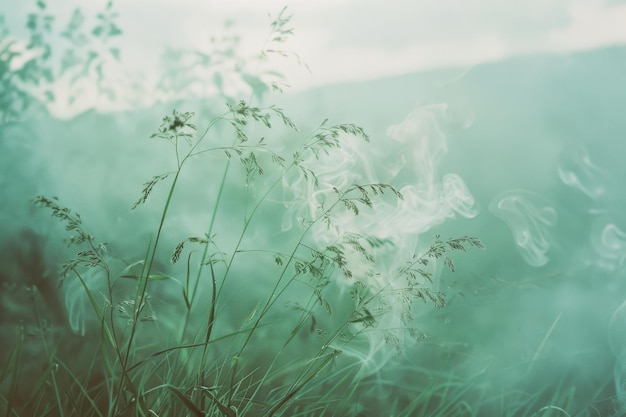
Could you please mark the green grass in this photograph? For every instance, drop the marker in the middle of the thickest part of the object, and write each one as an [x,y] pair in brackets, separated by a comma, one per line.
[199,372]
[169,329]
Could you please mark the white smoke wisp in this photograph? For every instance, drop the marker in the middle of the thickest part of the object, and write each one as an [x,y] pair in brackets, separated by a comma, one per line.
[408,159]
[339,169]
[530,219]
[578,171]
[609,243]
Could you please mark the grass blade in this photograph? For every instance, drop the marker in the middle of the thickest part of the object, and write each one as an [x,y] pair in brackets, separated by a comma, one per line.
[188,403]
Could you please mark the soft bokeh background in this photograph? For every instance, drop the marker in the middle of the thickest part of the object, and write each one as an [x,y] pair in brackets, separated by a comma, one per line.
[349,40]
[504,121]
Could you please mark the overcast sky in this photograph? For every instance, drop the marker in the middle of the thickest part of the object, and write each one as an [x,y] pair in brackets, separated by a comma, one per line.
[350,40]
[361,39]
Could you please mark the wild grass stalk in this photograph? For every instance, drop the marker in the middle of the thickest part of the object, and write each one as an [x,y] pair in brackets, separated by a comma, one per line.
[12,370]
[200,363]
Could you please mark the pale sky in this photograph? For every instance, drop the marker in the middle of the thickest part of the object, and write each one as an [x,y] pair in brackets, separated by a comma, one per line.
[356,40]
[352,40]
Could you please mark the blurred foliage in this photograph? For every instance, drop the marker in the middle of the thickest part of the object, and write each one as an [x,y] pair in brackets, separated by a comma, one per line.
[221,69]
[34,70]
[78,63]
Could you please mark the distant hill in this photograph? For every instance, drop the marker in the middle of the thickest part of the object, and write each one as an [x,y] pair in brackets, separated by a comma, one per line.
[540,142]
[510,124]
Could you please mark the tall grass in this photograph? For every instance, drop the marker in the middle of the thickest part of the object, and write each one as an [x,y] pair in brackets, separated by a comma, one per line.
[255,316]
[198,371]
